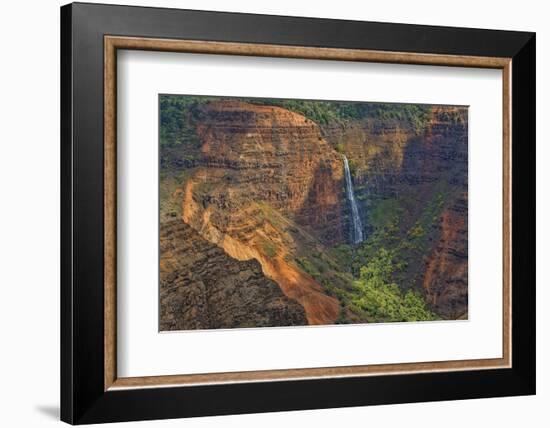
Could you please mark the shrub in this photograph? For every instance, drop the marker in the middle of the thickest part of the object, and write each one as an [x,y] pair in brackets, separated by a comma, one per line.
[381,299]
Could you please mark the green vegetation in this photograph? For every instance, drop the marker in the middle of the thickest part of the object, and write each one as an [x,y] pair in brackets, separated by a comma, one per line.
[384,212]
[268,248]
[386,266]
[381,298]
[325,112]
[402,227]
[353,170]
[175,110]
[308,267]
[378,287]
[328,270]
[175,127]
[455,116]
[375,281]
[271,215]
[342,253]
[376,292]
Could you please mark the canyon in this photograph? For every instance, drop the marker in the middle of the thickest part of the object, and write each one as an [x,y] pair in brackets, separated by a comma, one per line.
[259,228]
[202,287]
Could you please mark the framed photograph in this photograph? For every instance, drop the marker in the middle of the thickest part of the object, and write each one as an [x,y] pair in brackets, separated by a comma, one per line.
[266,213]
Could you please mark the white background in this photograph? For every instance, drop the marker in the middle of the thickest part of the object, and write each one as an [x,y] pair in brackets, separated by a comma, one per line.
[29,219]
[142,351]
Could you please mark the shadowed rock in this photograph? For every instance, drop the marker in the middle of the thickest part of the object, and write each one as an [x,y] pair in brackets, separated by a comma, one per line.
[201,287]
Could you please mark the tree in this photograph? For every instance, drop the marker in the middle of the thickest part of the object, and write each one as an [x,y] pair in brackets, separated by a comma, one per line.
[381,299]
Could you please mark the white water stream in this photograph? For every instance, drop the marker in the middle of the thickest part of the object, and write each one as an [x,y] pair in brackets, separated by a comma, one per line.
[357,226]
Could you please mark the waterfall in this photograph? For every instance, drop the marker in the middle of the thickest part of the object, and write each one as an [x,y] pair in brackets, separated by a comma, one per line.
[357,226]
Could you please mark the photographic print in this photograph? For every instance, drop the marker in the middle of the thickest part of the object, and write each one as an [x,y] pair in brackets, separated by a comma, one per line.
[287,212]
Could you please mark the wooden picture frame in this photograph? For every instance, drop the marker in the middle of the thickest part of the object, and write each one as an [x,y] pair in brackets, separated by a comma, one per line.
[91,390]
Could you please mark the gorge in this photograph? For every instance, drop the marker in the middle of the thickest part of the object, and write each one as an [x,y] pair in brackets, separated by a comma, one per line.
[263,212]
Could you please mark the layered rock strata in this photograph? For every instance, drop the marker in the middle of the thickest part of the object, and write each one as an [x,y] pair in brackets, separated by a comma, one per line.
[201,287]
[266,181]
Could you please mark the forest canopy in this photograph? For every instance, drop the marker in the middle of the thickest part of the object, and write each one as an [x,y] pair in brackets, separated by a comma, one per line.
[173,109]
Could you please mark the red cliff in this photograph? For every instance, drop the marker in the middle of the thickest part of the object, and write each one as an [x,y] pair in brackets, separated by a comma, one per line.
[266,183]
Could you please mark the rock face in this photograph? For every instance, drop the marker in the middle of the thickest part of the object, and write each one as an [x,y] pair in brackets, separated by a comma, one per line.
[254,212]
[395,162]
[266,182]
[444,165]
[445,281]
[201,287]
[390,157]
[273,155]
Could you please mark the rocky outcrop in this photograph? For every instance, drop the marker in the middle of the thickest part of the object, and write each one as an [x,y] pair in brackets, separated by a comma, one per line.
[265,186]
[266,183]
[201,287]
[426,175]
[272,155]
[376,148]
[446,278]
[376,151]
[392,159]
[441,165]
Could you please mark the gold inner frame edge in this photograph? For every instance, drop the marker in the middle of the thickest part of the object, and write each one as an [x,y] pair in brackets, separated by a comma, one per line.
[113,43]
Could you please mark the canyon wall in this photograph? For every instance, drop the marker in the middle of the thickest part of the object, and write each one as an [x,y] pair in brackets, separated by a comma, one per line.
[421,177]
[201,287]
[266,185]
[263,186]
[446,279]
